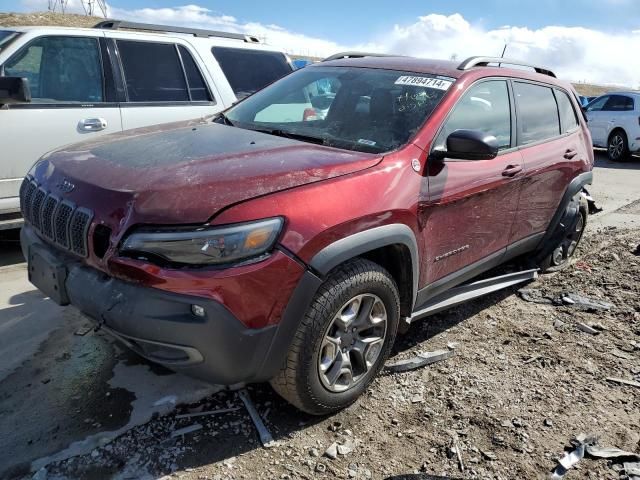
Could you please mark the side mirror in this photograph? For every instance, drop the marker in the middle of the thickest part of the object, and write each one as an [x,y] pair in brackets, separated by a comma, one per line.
[469,145]
[14,90]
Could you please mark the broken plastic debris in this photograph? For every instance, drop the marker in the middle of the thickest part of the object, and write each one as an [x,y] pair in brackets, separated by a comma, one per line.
[631,383]
[569,460]
[208,412]
[632,470]
[185,430]
[265,436]
[586,328]
[604,452]
[585,303]
[421,360]
[534,295]
[587,445]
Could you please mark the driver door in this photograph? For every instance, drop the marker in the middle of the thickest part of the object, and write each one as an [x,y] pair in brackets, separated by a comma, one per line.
[70,103]
[472,203]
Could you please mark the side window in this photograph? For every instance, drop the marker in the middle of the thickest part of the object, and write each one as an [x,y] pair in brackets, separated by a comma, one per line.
[597,104]
[60,70]
[250,70]
[197,86]
[483,107]
[537,112]
[568,119]
[152,72]
[618,103]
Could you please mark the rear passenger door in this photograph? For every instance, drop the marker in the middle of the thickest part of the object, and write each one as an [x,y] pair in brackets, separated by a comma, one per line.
[162,83]
[473,202]
[552,147]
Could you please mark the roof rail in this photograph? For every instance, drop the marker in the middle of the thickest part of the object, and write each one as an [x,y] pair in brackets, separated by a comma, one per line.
[341,55]
[196,32]
[485,61]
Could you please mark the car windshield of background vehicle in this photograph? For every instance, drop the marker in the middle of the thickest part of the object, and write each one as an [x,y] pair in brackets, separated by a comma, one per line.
[250,70]
[362,109]
[6,36]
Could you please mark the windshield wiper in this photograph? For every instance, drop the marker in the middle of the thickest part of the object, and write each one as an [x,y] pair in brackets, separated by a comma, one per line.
[294,136]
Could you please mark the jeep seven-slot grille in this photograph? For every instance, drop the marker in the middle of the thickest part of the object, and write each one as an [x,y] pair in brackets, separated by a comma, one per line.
[58,220]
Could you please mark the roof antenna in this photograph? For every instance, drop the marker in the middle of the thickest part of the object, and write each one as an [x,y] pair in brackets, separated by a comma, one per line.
[503,51]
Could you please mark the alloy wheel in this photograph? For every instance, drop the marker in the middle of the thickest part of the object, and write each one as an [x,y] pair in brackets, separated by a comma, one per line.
[352,343]
[616,146]
[568,246]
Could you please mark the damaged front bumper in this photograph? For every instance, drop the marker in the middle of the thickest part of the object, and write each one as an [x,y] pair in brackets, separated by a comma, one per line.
[197,336]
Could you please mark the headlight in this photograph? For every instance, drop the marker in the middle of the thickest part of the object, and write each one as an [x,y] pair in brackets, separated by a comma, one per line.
[205,245]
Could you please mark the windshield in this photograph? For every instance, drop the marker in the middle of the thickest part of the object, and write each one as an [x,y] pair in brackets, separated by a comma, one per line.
[363,109]
[6,36]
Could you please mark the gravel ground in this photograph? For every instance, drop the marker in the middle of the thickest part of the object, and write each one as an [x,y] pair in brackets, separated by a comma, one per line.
[524,380]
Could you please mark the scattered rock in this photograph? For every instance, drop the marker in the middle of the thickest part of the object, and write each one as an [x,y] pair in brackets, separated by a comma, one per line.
[332,451]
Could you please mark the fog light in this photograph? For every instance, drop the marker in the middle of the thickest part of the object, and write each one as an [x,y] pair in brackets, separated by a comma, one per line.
[197,310]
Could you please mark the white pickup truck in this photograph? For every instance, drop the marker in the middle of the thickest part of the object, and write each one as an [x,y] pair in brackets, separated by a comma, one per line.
[64,85]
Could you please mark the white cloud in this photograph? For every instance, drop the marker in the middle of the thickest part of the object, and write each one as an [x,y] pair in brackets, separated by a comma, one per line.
[575,53]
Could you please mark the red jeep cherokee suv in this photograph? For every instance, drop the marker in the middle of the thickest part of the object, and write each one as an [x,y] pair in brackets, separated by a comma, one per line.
[290,239]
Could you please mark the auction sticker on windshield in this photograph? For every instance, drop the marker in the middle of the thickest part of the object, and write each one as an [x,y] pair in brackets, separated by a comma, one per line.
[429,82]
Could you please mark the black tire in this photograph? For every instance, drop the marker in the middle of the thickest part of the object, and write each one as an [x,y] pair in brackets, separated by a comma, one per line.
[299,381]
[559,258]
[618,146]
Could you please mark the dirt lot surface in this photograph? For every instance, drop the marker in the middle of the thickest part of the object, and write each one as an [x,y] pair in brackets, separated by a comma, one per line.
[524,380]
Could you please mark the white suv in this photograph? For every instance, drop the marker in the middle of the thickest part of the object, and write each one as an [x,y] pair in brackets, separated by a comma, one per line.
[614,122]
[64,85]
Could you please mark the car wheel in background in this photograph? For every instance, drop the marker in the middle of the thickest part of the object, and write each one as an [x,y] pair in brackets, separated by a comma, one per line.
[343,340]
[618,146]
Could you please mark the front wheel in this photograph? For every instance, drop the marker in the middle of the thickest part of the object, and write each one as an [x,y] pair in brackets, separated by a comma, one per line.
[343,340]
[618,146]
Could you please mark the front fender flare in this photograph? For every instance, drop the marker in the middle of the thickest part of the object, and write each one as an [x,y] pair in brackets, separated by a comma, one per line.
[362,242]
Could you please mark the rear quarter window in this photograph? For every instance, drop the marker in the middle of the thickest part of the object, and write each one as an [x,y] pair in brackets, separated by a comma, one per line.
[568,118]
[250,70]
[537,113]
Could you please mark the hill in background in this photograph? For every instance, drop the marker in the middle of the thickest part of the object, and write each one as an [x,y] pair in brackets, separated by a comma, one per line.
[73,20]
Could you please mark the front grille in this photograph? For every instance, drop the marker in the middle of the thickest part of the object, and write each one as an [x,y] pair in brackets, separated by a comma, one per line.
[60,221]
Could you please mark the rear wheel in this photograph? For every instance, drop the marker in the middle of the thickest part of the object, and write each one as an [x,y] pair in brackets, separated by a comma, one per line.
[560,256]
[618,146]
[343,340]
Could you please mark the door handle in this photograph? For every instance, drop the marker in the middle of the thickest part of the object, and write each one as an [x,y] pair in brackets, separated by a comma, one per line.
[93,124]
[569,154]
[511,170]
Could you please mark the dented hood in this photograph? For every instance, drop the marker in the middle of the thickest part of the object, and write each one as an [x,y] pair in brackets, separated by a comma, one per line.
[169,175]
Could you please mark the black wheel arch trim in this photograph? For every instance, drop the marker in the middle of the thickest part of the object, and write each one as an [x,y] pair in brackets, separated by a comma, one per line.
[575,186]
[362,242]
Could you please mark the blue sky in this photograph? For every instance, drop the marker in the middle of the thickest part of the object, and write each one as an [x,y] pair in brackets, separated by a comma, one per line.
[347,21]
[595,41]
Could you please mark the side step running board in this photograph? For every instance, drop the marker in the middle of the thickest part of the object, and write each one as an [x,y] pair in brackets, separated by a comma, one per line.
[469,291]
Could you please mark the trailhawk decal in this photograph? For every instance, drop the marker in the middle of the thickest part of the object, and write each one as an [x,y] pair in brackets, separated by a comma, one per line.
[428,82]
[451,253]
